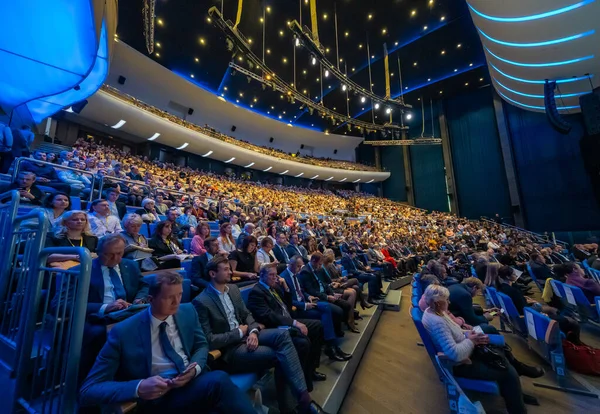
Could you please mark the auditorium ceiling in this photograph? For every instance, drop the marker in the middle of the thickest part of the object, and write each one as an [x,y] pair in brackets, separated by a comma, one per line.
[432,44]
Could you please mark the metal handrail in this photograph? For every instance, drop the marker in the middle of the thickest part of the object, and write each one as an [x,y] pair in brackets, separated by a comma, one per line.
[538,236]
[56,166]
[123,180]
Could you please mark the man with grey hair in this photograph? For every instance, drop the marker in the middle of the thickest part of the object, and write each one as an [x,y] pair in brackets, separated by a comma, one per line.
[248,230]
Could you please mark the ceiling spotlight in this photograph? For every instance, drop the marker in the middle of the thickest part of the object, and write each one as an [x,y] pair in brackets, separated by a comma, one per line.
[160,22]
[376,106]
[428,79]
[208,19]
[192,76]
[467,84]
[268,9]
[470,64]
[202,41]
[383,31]
[325,16]
[415,64]
[396,44]
[281,33]
[455,70]
[459,45]
[370,16]
[442,18]
[344,88]
[297,42]
[314,60]
[347,34]
[388,111]
[157,44]
[413,13]
[360,45]
[443,52]
[363,99]
[197,60]
[207,154]
[409,116]
[284,60]
[326,73]
[480,79]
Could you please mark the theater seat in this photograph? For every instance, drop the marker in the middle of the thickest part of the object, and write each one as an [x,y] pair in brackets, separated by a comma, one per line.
[576,300]
[187,244]
[532,275]
[75,203]
[514,320]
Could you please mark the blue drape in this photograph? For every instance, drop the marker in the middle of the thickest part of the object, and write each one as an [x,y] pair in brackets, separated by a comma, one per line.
[481,185]
[392,159]
[429,180]
[555,189]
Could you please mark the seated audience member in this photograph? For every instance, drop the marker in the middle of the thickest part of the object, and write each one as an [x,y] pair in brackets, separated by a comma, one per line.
[230,328]
[198,210]
[115,284]
[55,205]
[357,270]
[6,144]
[270,303]
[427,280]
[199,275]
[202,233]
[165,245]
[280,251]
[224,216]
[46,174]
[309,307]
[540,269]
[134,174]
[314,285]
[117,208]
[101,221]
[247,231]
[187,218]
[226,240]
[148,211]
[295,249]
[244,264]
[165,369]
[437,269]
[160,206]
[79,183]
[172,215]
[330,274]
[459,346]
[505,284]
[575,276]
[29,193]
[461,304]
[481,267]
[73,230]
[265,254]
[235,227]
[136,244]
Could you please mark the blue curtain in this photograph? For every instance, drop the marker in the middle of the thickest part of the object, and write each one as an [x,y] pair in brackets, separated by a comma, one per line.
[481,185]
[429,180]
[392,159]
[556,192]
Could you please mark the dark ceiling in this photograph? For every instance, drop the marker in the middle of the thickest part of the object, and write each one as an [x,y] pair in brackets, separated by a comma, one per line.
[435,40]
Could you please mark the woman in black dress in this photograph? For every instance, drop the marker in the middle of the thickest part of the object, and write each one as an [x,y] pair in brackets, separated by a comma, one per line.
[244,263]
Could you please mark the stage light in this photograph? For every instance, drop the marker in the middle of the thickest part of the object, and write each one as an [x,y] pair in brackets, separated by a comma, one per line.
[409,116]
[344,87]
[363,99]
[388,111]
[314,60]
[376,106]
[442,18]
[326,73]
[197,60]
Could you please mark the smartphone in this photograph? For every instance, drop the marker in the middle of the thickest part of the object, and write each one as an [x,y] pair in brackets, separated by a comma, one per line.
[478,330]
[494,313]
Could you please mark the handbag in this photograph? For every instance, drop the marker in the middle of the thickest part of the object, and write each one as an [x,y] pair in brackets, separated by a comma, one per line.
[489,356]
[583,359]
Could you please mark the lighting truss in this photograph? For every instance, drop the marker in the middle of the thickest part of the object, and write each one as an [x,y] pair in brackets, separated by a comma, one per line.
[148,14]
[405,142]
[239,42]
[306,40]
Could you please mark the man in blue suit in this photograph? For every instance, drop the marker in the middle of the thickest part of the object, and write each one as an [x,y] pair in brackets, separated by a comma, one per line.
[158,357]
[309,307]
[279,250]
[294,248]
[356,269]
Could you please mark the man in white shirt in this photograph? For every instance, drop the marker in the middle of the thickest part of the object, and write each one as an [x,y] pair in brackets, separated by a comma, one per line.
[101,221]
[158,357]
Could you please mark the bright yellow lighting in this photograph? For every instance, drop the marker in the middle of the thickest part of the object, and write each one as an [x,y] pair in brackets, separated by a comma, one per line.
[384,31]
[370,16]
[268,51]
[268,77]
[268,9]
[249,40]
[467,84]
[197,60]
[284,60]
[225,88]
[304,72]
[360,45]
[442,18]
[415,64]
[424,27]
[241,94]
[157,54]
[261,20]
[281,33]
[327,50]
[157,44]
[208,19]
[459,45]
[347,34]
[202,41]
[413,13]
[443,52]
[160,22]
[240,58]
[480,79]
[325,16]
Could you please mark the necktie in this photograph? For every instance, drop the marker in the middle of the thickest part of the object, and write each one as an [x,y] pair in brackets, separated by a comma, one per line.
[168,348]
[298,290]
[287,258]
[118,287]
[280,302]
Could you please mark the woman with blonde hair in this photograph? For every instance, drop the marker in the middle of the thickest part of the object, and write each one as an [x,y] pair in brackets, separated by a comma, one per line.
[226,240]
[72,231]
[459,346]
[491,275]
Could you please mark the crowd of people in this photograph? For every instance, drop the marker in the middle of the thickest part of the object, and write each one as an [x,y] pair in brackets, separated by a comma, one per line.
[305,265]
[207,130]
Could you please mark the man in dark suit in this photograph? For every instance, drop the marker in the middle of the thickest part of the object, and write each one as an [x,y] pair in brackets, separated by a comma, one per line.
[314,285]
[29,193]
[356,269]
[199,276]
[115,284]
[270,303]
[309,307]
[117,208]
[540,269]
[158,357]
[245,347]
[279,250]
[461,304]
[294,248]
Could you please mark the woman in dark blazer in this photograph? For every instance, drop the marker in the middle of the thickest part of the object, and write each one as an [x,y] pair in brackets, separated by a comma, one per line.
[164,245]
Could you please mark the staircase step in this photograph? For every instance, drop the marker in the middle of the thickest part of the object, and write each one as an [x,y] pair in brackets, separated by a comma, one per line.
[392,301]
[400,283]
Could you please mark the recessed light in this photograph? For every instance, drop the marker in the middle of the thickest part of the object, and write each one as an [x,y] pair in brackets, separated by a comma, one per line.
[470,64]
[183,146]
[480,79]
[207,154]
[370,16]
[443,52]
[119,124]
[267,169]
[202,41]
[415,64]
[197,60]
[153,137]
[455,70]
[459,45]
[442,18]
[413,13]
[229,160]
[249,165]
[160,22]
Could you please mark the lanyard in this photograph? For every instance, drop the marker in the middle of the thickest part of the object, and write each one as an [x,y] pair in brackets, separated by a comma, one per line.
[80,242]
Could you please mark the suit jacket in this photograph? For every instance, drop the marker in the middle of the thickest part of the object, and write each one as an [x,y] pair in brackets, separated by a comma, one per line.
[311,286]
[541,271]
[267,310]
[461,304]
[126,358]
[199,275]
[279,255]
[133,282]
[291,251]
[297,301]
[353,266]
[214,319]
[121,209]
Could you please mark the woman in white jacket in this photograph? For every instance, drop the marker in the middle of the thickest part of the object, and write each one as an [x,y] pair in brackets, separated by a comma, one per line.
[458,346]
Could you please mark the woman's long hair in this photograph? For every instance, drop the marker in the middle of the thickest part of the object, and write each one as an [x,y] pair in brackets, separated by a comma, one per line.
[225,235]
[491,275]
[61,230]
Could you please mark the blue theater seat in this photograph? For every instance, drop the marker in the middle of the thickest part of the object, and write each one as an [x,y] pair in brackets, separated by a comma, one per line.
[515,321]
[187,266]
[577,301]
[594,274]
[75,203]
[187,244]
[488,387]
[545,338]
[532,275]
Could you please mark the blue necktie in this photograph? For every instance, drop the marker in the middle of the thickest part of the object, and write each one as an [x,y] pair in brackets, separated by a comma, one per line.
[169,350]
[117,284]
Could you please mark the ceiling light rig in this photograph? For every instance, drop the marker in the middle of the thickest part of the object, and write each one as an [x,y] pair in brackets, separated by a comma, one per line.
[241,45]
[318,54]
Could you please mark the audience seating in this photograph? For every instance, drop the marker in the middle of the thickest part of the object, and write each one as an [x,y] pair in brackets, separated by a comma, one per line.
[515,321]
[594,274]
[458,401]
[532,275]
[577,301]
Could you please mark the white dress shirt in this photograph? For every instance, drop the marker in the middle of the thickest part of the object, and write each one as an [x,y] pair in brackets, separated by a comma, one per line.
[230,310]
[109,288]
[263,258]
[104,225]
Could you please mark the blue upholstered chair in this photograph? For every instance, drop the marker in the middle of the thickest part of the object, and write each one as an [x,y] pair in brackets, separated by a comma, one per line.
[515,321]
[576,300]
[532,275]
[457,399]
[595,274]
[187,244]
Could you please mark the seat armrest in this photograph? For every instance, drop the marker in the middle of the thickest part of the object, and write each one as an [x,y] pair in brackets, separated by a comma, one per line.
[497,340]
[214,355]
[128,407]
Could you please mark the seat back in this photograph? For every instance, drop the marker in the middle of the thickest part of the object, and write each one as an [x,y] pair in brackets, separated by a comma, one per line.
[513,317]
[417,317]
[187,244]
[457,399]
[245,291]
[577,300]
[545,338]
[594,274]
[535,280]
[559,291]
[597,301]
[473,272]
[75,203]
